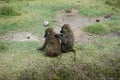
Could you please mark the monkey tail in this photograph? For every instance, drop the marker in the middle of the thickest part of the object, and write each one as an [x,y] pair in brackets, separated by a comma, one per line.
[74,52]
[74,55]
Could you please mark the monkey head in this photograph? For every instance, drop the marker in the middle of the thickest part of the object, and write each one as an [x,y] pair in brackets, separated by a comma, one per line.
[65,28]
[48,32]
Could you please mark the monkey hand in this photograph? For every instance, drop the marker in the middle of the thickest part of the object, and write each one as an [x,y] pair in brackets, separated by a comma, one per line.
[57,35]
[40,49]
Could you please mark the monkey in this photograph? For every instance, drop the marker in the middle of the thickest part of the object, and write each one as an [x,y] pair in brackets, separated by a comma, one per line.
[52,44]
[67,39]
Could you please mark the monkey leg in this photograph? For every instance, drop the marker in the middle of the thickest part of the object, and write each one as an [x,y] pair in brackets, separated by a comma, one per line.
[74,55]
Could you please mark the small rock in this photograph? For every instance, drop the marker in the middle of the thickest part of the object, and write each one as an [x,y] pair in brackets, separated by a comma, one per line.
[28,37]
[68,11]
[46,23]
[97,20]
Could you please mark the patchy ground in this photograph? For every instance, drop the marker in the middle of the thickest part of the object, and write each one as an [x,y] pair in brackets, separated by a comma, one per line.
[70,17]
[77,22]
[21,36]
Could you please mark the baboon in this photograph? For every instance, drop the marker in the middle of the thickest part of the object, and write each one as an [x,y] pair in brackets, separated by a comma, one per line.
[52,44]
[67,39]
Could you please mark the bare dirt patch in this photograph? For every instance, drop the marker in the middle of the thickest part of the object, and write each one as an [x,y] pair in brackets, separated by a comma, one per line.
[83,37]
[21,36]
[113,34]
[75,21]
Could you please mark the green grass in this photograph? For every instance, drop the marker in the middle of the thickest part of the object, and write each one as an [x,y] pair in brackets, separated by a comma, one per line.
[97,29]
[20,60]
[8,11]
[103,28]
[34,13]
[114,25]
[115,3]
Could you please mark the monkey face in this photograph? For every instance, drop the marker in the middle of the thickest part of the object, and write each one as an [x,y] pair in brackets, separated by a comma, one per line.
[65,28]
[48,32]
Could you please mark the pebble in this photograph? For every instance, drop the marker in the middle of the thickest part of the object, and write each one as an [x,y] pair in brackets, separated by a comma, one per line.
[46,23]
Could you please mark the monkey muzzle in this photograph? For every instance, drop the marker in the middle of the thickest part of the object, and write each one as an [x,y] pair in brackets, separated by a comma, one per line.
[45,35]
[61,31]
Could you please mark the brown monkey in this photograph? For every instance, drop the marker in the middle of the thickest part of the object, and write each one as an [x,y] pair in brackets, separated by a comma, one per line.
[52,44]
[67,39]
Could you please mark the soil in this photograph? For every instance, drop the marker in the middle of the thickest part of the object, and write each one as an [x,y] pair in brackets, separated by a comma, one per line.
[75,21]
[21,36]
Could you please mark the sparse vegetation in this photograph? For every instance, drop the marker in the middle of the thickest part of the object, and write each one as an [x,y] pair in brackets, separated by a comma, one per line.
[3,47]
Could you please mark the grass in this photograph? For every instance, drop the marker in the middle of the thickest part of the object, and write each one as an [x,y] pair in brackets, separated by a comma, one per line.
[115,3]
[103,28]
[22,61]
[114,26]
[97,29]
[34,13]
[95,61]
[9,11]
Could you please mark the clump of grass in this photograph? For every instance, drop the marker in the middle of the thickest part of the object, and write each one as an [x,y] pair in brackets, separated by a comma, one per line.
[97,29]
[104,28]
[114,25]
[3,47]
[115,3]
[8,11]
[115,29]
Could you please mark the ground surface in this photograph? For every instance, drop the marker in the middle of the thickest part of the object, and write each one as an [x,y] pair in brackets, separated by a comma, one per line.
[97,44]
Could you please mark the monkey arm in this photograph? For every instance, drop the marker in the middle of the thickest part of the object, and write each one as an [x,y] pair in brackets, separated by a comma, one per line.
[63,39]
[59,36]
